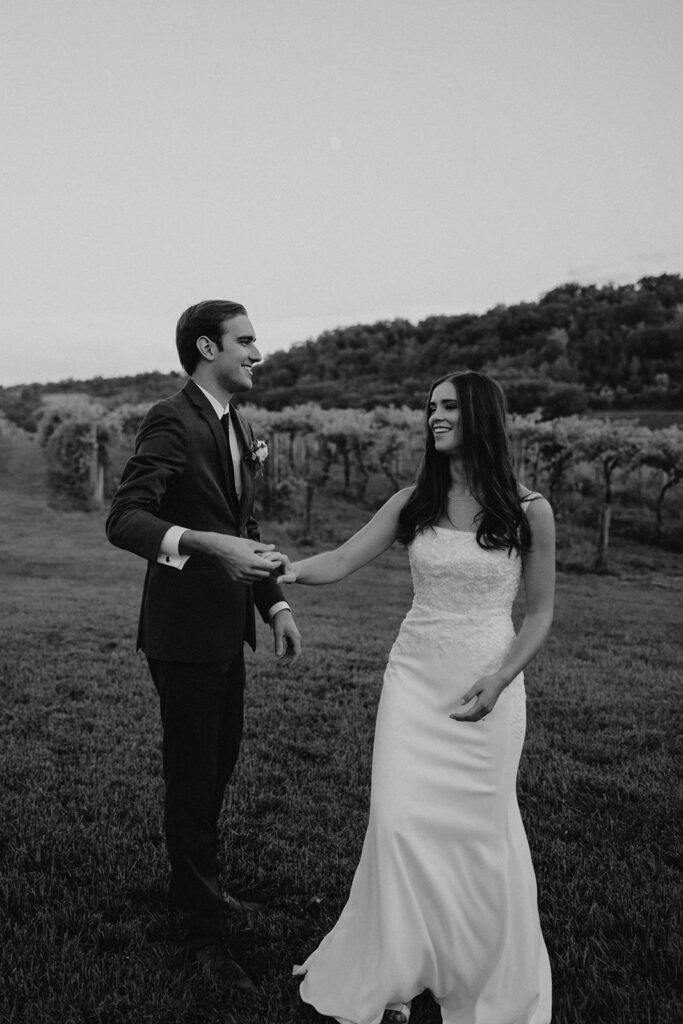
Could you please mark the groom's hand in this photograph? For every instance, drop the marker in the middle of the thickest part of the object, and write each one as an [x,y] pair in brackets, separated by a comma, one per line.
[244,560]
[286,636]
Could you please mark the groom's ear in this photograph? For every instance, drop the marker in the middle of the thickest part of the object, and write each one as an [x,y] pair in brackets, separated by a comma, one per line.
[205,347]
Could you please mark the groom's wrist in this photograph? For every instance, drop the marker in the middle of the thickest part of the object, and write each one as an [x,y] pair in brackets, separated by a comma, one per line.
[169,550]
[196,542]
[279,606]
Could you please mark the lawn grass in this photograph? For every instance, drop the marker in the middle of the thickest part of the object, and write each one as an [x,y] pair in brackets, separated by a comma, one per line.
[84,935]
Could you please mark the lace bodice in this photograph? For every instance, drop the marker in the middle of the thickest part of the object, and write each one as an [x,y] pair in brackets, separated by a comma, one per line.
[453,574]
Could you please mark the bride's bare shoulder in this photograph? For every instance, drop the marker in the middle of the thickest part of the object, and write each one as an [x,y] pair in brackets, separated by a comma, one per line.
[535,505]
[525,493]
[395,504]
[401,497]
[405,493]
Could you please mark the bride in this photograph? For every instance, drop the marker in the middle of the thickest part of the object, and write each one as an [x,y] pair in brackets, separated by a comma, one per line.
[444,896]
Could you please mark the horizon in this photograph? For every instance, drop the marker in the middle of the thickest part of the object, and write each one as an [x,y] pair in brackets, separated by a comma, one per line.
[415,321]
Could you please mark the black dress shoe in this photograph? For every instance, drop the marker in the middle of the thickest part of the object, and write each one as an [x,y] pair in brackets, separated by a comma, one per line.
[217,960]
[244,909]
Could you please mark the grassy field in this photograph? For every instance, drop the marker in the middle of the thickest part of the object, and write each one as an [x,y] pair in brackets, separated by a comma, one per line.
[84,935]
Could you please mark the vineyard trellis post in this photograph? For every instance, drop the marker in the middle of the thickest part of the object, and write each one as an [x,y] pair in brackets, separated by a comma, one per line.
[96,466]
[664,451]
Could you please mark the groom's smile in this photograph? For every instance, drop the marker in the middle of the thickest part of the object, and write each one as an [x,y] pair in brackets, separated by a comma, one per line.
[235,363]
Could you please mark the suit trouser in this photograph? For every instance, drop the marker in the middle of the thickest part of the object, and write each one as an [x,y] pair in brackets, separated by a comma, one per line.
[202,718]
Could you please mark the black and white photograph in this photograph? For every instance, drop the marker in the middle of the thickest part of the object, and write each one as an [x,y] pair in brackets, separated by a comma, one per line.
[341,512]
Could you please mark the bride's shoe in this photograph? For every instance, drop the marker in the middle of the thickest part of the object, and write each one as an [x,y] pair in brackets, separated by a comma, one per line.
[397,1013]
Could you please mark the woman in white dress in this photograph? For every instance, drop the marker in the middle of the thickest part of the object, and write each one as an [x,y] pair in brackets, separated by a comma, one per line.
[444,896]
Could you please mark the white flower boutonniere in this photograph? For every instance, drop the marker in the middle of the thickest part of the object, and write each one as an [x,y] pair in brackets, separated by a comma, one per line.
[256,456]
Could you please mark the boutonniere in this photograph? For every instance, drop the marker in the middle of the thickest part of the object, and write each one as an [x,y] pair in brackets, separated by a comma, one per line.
[256,456]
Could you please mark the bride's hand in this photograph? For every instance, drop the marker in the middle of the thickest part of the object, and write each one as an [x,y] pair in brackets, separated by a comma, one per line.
[288,571]
[485,692]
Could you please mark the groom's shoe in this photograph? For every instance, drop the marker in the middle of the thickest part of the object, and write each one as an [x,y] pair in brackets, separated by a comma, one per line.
[217,960]
[244,910]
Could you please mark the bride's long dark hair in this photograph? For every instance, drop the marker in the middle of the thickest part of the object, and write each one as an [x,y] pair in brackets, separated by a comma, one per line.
[487,461]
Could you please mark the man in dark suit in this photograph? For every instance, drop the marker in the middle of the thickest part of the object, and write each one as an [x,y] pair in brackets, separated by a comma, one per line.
[185,504]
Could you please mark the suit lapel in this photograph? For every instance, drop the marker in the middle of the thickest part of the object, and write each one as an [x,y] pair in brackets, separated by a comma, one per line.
[206,410]
[242,434]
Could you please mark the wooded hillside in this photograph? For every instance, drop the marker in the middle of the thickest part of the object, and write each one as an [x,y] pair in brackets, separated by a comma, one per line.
[578,347]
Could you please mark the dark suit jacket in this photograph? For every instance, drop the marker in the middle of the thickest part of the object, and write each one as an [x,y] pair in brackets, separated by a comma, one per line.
[179,476]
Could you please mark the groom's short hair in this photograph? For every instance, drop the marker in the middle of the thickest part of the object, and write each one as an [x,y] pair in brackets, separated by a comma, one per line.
[204,318]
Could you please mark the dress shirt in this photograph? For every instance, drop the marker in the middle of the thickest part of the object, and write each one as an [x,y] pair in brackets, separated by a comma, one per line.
[169,551]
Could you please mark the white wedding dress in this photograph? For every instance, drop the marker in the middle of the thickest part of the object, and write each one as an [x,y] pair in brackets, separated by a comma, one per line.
[444,896]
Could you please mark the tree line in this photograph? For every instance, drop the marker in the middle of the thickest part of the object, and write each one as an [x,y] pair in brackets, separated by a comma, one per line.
[579,348]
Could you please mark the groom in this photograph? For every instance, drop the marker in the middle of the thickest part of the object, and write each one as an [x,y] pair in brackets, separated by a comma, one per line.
[185,504]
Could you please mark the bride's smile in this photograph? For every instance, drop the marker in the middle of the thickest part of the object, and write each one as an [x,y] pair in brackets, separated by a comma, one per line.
[444,418]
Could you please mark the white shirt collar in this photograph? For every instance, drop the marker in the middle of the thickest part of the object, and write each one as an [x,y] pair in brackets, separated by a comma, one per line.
[215,404]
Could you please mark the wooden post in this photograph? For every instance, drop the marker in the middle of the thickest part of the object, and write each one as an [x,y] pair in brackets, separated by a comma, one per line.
[605,517]
[96,469]
[269,476]
[308,513]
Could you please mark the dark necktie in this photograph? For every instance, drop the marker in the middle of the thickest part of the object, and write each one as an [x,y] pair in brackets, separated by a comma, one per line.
[225,423]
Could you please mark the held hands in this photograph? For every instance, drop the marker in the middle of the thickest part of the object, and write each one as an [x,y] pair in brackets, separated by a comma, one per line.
[289,573]
[485,692]
[247,561]
[244,560]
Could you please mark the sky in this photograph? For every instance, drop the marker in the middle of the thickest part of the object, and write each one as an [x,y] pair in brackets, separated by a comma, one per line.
[323,162]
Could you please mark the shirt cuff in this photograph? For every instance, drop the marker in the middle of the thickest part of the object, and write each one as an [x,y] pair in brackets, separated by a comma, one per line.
[278,607]
[169,552]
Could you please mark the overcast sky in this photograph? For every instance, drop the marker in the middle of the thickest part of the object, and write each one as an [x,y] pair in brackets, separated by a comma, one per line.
[324,162]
